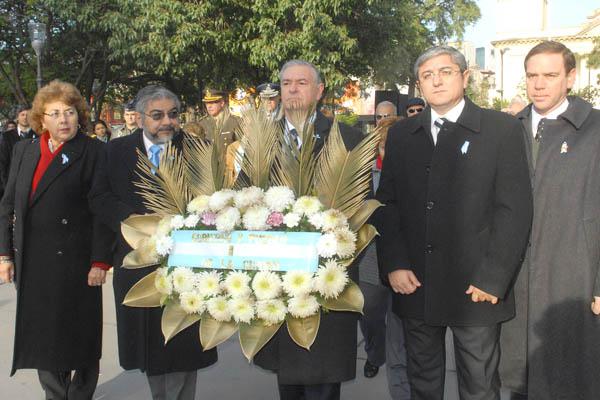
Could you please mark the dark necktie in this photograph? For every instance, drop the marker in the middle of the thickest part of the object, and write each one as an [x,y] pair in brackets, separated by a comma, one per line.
[294,136]
[536,141]
[439,123]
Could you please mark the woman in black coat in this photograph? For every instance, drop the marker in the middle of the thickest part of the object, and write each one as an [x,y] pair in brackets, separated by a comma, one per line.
[54,249]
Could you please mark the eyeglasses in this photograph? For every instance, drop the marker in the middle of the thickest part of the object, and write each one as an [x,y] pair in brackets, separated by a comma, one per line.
[381,116]
[443,73]
[414,110]
[158,115]
[56,114]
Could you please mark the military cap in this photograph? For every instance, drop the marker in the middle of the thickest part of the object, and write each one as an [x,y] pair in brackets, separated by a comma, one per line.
[130,105]
[268,90]
[211,95]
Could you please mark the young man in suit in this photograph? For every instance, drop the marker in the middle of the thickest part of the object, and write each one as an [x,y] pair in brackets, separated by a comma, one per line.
[172,368]
[316,374]
[457,213]
[9,139]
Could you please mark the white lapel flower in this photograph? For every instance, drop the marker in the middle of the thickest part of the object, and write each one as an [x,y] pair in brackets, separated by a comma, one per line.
[303,306]
[65,159]
[241,309]
[183,279]
[218,308]
[192,302]
[266,285]
[271,311]
[297,283]
[330,279]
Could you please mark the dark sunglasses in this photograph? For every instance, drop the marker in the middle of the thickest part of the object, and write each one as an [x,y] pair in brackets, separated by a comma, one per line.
[380,116]
[414,110]
[158,115]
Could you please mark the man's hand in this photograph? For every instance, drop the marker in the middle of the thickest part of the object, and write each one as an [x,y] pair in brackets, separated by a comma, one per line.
[96,276]
[403,281]
[596,305]
[7,272]
[478,295]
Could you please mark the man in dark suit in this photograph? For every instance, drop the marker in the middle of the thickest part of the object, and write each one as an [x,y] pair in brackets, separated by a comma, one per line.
[314,374]
[8,141]
[457,213]
[172,368]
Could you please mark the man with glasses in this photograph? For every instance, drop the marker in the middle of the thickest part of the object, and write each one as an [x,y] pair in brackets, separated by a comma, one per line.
[458,209]
[414,106]
[171,368]
[385,110]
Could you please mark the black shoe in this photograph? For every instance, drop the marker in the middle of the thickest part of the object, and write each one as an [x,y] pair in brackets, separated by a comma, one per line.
[370,370]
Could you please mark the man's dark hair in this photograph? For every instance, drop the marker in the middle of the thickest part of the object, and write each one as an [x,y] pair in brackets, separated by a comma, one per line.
[21,108]
[552,47]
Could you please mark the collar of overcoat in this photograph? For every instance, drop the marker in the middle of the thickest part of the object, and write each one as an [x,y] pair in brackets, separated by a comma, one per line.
[470,118]
[576,114]
[68,155]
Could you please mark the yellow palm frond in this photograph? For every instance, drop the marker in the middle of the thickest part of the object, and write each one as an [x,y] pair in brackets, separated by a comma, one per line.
[260,136]
[163,189]
[200,175]
[342,177]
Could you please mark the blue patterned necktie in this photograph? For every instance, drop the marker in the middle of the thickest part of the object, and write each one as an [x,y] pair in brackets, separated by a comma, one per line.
[155,151]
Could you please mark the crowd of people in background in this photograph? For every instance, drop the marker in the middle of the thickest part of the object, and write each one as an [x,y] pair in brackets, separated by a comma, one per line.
[490,230]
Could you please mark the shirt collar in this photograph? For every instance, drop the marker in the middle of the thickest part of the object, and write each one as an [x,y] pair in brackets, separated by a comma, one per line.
[148,144]
[451,115]
[536,117]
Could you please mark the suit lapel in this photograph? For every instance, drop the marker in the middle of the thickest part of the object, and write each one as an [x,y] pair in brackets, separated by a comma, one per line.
[31,157]
[67,156]
[525,119]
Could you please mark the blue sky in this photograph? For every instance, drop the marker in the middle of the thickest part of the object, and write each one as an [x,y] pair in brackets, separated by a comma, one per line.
[562,13]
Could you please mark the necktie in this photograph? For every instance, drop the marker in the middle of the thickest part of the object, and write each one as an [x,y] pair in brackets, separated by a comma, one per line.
[438,123]
[536,141]
[155,151]
[294,136]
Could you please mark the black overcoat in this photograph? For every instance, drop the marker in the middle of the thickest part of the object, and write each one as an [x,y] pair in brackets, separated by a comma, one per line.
[141,342]
[457,213]
[54,241]
[332,357]
[7,143]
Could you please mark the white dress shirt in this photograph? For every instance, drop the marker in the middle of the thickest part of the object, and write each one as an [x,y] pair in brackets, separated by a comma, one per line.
[451,116]
[536,117]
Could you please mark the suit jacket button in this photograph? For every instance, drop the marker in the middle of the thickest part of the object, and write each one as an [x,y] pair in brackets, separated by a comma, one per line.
[59,253]
[428,168]
[64,221]
[429,249]
[430,205]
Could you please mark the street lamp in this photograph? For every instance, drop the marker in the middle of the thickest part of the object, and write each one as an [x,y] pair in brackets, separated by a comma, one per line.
[37,34]
[502,51]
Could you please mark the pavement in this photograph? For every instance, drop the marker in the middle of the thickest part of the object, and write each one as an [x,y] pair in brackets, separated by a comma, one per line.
[231,378]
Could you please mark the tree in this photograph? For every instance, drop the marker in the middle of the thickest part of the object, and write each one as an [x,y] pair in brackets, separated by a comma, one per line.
[594,57]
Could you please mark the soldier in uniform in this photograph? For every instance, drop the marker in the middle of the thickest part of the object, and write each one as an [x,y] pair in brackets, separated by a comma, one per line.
[269,94]
[130,117]
[219,117]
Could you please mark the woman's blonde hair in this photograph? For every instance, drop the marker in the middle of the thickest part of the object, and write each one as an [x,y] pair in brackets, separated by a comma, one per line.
[58,91]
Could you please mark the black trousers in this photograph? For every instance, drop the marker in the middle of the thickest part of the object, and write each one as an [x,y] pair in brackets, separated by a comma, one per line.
[477,353]
[373,321]
[323,391]
[65,385]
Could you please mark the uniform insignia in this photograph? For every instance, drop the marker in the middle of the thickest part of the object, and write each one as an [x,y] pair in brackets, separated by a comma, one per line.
[465,147]
[65,159]
[564,148]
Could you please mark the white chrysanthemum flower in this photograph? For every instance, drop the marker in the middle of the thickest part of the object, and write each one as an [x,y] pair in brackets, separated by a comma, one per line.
[241,309]
[330,279]
[227,219]
[191,221]
[237,284]
[334,219]
[255,218]
[291,220]
[208,283]
[192,302]
[248,197]
[307,205]
[346,242]
[164,227]
[218,308]
[278,198]
[316,220]
[199,204]
[303,306]
[163,281]
[183,279]
[327,246]
[177,221]
[221,199]
[164,245]
[297,283]
[266,285]
[271,311]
